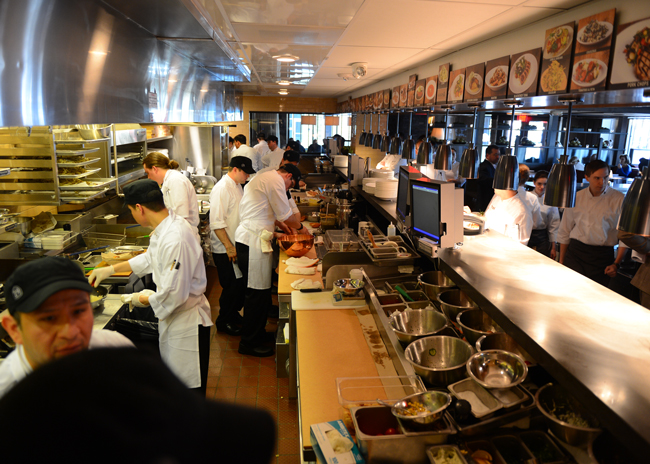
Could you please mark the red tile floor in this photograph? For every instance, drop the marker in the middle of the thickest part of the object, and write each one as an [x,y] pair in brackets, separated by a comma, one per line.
[251,381]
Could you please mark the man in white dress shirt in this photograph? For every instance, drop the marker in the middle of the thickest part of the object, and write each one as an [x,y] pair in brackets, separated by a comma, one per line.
[588,232]
[50,317]
[508,215]
[530,200]
[273,157]
[262,147]
[544,238]
[224,219]
[241,149]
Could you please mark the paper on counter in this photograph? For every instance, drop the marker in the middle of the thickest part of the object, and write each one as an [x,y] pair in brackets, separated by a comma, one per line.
[303,261]
[305,283]
[300,270]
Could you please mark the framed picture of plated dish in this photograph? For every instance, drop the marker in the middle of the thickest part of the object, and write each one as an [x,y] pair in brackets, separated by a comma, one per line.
[410,99]
[443,83]
[556,62]
[456,86]
[379,100]
[474,76]
[595,33]
[403,91]
[631,61]
[419,92]
[430,90]
[496,78]
[394,102]
[524,73]
[589,72]
[386,99]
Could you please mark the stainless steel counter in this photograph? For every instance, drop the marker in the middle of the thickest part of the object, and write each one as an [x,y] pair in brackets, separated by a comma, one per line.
[595,342]
[387,208]
[106,312]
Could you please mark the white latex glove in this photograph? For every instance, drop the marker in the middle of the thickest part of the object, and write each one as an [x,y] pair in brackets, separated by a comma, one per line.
[133,299]
[99,274]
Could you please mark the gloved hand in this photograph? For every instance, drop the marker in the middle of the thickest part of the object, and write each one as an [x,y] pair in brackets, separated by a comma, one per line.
[133,299]
[100,274]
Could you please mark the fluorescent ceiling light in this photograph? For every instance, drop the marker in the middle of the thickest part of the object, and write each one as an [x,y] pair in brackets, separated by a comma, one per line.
[284,83]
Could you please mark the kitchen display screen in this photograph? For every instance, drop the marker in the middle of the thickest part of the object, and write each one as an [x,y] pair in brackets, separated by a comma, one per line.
[402,194]
[425,210]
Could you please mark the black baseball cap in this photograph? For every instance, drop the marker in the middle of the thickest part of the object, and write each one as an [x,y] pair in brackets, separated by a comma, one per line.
[292,156]
[295,173]
[242,162]
[33,283]
[142,191]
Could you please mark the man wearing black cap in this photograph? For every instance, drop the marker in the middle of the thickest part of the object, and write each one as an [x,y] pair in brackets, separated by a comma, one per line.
[175,258]
[49,317]
[224,219]
[293,157]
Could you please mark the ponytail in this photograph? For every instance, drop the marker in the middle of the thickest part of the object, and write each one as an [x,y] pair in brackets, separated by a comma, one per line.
[159,160]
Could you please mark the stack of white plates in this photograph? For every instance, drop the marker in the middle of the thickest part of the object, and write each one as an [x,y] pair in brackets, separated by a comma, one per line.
[386,189]
[381,173]
[369,187]
[366,180]
[341,161]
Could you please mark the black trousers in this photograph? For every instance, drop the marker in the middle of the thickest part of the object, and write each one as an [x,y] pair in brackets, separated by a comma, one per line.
[204,359]
[589,260]
[256,304]
[233,293]
[539,241]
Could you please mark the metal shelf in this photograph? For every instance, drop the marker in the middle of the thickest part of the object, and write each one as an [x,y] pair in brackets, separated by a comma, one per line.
[158,139]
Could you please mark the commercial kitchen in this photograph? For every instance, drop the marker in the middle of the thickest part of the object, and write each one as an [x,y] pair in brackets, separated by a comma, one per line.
[401,291]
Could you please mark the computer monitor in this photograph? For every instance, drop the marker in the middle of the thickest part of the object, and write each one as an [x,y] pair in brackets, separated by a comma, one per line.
[403,204]
[437,212]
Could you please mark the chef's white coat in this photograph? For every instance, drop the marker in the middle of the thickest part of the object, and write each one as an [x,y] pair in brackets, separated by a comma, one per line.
[262,148]
[249,152]
[550,218]
[175,259]
[532,203]
[180,197]
[272,159]
[509,217]
[224,213]
[16,366]
[264,201]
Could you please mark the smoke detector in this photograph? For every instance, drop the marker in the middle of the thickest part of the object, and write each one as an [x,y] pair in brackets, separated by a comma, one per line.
[359,70]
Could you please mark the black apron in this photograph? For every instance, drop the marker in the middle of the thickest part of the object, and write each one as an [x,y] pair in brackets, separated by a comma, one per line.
[539,241]
[589,260]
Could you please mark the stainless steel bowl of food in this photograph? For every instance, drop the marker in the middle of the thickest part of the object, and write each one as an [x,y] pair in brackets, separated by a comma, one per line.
[434,282]
[349,287]
[476,323]
[566,417]
[497,369]
[420,410]
[417,323]
[440,360]
[453,302]
[97,296]
[296,245]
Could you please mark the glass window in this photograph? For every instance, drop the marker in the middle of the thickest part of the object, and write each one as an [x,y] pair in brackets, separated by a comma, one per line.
[638,142]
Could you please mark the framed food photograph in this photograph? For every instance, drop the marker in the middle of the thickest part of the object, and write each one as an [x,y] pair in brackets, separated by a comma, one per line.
[474,76]
[394,101]
[419,92]
[443,82]
[410,99]
[589,72]
[403,91]
[456,86]
[430,90]
[412,80]
[496,78]
[370,102]
[379,100]
[386,99]
[524,73]
[631,56]
[595,32]
[556,59]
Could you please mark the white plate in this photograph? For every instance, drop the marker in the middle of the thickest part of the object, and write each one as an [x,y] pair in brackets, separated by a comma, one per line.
[431,85]
[489,75]
[480,84]
[515,86]
[601,76]
[443,77]
[451,95]
[622,71]
[610,29]
[563,50]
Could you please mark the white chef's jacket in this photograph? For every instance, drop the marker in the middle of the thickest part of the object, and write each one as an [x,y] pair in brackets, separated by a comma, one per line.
[531,202]
[593,220]
[390,163]
[249,152]
[180,197]
[175,258]
[550,218]
[272,159]
[509,217]
[264,201]
[224,211]
[16,366]
[262,148]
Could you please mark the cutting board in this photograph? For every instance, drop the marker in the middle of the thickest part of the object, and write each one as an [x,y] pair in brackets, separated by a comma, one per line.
[320,300]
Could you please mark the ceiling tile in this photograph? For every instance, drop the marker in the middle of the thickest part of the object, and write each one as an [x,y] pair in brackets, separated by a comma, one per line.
[287,34]
[332,73]
[391,24]
[376,57]
[491,2]
[261,53]
[330,13]
[422,57]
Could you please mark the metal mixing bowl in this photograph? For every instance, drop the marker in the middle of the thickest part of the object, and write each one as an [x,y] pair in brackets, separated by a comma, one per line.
[556,404]
[453,302]
[440,359]
[434,282]
[435,403]
[349,287]
[98,292]
[417,323]
[502,341]
[497,369]
[93,131]
[476,323]
[296,246]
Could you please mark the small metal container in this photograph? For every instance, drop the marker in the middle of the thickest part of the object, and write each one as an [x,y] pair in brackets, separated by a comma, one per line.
[475,323]
[435,403]
[434,282]
[502,341]
[417,323]
[510,397]
[453,302]
[390,310]
[440,360]
[434,453]
[392,299]
[483,403]
[538,443]
[497,369]
[512,449]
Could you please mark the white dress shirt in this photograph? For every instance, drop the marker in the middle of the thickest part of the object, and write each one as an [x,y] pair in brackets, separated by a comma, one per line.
[550,218]
[248,152]
[593,220]
[509,217]
[531,202]
[262,148]
[273,158]
[224,211]
[180,197]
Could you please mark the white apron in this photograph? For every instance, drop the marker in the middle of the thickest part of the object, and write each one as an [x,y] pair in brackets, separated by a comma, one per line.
[260,264]
[179,340]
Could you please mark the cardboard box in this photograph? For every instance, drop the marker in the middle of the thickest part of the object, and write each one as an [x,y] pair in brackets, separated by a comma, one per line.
[333,444]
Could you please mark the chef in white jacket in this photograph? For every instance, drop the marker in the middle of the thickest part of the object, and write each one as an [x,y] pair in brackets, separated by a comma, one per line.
[178,191]
[544,238]
[175,259]
[263,206]
[508,215]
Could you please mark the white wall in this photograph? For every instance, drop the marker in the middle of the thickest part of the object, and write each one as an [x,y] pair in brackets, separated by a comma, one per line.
[526,38]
